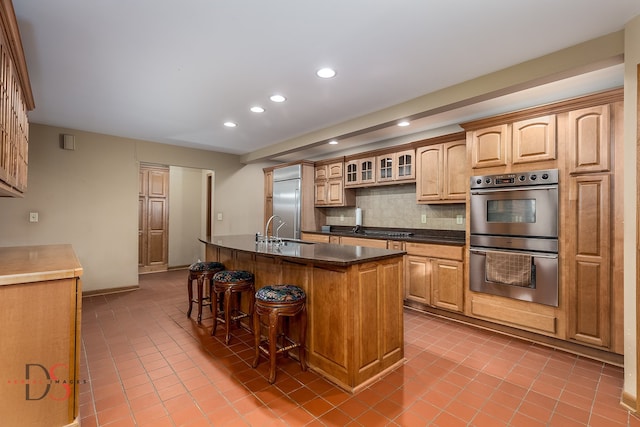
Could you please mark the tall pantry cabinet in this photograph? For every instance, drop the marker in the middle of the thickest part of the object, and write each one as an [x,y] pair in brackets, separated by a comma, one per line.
[15,100]
[593,139]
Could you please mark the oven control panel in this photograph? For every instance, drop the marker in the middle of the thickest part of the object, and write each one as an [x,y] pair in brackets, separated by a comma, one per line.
[519,179]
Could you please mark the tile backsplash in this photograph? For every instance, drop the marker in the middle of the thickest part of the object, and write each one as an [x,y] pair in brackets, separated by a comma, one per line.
[395,206]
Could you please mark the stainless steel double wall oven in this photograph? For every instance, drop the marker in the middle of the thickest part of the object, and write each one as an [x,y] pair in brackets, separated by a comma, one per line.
[514,235]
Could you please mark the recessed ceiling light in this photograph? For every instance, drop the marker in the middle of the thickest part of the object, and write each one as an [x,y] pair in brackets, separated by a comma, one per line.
[230,124]
[326,73]
[277,98]
[257,109]
[333,142]
[403,123]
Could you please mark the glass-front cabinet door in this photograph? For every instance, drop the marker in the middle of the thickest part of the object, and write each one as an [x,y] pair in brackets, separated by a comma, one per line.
[351,173]
[367,172]
[405,165]
[385,167]
[360,171]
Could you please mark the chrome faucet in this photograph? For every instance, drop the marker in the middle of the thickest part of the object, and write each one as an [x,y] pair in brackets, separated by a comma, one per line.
[266,227]
[279,227]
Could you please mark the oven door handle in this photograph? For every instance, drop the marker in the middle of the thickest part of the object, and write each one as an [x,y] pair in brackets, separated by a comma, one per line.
[483,252]
[506,190]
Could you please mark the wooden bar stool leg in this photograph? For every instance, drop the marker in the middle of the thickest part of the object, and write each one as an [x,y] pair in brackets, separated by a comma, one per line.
[227,315]
[214,298]
[252,304]
[303,337]
[273,337]
[190,294]
[256,338]
[200,282]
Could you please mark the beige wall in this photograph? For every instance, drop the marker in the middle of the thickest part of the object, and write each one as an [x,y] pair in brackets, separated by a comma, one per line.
[394,206]
[89,198]
[186,197]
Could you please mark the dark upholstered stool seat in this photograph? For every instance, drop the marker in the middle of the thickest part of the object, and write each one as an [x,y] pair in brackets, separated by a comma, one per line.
[273,302]
[226,283]
[201,271]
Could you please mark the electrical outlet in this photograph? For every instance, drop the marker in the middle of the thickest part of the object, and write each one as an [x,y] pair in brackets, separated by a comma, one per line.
[219,216]
[423,218]
[458,219]
[341,218]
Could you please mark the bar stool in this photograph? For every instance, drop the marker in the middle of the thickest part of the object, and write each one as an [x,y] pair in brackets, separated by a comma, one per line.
[275,301]
[226,283]
[201,271]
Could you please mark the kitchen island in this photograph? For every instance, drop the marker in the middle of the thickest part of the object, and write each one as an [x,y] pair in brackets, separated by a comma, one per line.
[40,314]
[354,300]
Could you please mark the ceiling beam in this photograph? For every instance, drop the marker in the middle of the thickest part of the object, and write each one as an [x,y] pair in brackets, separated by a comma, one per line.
[588,56]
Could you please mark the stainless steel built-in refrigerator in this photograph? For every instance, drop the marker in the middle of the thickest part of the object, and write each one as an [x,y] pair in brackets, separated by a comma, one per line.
[286,201]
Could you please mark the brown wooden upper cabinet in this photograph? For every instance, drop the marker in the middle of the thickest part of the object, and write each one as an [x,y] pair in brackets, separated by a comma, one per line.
[329,185]
[381,169]
[398,166]
[441,173]
[524,141]
[360,172]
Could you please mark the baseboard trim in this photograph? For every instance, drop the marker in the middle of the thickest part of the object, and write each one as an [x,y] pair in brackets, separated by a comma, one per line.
[629,401]
[110,291]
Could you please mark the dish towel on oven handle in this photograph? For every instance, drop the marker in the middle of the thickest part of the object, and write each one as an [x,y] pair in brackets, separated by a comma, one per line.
[508,268]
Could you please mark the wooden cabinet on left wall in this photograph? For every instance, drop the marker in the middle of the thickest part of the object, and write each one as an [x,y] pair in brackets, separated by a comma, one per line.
[15,100]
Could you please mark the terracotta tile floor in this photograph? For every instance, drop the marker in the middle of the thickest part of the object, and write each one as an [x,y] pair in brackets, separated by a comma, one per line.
[146,364]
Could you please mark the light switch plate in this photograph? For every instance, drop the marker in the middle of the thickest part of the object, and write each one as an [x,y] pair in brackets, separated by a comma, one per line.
[33,216]
[219,216]
[458,219]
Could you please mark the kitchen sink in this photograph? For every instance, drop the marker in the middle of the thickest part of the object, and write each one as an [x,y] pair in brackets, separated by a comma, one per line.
[287,240]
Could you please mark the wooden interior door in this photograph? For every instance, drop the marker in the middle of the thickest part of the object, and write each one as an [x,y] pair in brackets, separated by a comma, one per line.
[153,218]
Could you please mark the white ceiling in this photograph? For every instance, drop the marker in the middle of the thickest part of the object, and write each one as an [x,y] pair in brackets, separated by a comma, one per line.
[172,71]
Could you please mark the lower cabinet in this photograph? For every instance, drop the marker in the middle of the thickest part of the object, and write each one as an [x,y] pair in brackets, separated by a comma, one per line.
[316,238]
[434,275]
[40,314]
[588,273]
[359,241]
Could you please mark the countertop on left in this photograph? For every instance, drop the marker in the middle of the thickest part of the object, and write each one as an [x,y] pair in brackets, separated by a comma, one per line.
[23,264]
[324,253]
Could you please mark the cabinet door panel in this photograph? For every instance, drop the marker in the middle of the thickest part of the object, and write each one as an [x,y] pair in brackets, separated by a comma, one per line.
[385,167]
[158,183]
[428,182]
[448,284]
[334,170]
[418,279]
[489,147]
[321,193]
[405,168]
[534,140]
[589,280]
[351,173]
[589,139]
[455,171]
[320,172]
[335,192]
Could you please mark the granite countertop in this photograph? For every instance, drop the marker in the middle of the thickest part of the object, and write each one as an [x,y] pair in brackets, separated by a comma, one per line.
[445,237]
[319,253]
[25,264]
